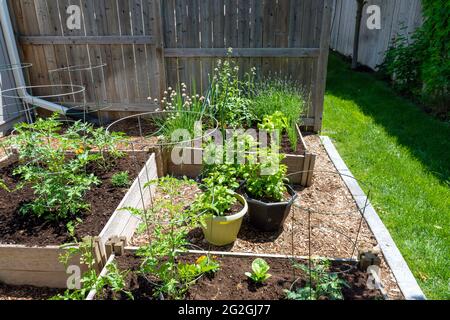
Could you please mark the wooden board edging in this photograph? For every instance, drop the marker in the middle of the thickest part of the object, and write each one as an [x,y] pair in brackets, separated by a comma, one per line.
[123,222]
[300,167]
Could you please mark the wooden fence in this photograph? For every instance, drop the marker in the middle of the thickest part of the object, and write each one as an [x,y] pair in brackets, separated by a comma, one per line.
[147,45]
[9,108]
[397,16]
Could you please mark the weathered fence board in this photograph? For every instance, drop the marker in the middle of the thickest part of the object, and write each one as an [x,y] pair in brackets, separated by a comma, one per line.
[400,16]
[147,45]
[114,33]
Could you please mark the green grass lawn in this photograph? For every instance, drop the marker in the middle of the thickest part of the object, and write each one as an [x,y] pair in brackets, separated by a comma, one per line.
[404,155]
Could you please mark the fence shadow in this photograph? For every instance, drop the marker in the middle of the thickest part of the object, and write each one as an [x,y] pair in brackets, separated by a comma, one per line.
[426,138]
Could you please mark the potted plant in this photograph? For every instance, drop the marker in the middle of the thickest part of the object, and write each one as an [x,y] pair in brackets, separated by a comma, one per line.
[222,211]
[268,196]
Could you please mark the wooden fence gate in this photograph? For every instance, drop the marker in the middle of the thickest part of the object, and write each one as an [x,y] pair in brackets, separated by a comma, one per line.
[139,47]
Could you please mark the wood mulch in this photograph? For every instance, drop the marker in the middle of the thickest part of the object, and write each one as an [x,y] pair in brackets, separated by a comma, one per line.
[2,150]
[327,207]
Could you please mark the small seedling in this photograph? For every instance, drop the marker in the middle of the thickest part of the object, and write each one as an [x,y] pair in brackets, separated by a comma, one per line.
[259,271]
[121,180]
[4,186]
[321,284]
[188,272]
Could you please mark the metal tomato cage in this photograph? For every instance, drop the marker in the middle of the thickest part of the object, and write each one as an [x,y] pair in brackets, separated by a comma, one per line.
[93,107]
[56,94]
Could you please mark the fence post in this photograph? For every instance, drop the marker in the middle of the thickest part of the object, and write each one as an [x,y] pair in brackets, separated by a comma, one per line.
[321,76]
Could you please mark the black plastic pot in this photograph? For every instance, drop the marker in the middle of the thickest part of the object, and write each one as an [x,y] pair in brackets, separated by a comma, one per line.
[270,217]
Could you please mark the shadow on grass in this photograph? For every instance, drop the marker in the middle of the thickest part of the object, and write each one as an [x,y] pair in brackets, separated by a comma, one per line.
[427,138]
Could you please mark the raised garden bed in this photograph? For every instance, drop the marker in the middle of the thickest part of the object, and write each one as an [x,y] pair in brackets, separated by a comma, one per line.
[230,282]
[30,248]
[300,164]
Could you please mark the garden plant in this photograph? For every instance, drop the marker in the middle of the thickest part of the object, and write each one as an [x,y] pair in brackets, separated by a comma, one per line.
[53,160]
[160,258]
[260,269]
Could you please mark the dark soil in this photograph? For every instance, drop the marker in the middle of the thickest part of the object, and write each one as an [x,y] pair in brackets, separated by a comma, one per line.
[230,282]
[27,292]
[286,146]
[33,231]
[235,208]
[136,127]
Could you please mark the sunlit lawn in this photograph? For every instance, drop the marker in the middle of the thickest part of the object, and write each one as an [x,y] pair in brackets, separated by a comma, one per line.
[404,155]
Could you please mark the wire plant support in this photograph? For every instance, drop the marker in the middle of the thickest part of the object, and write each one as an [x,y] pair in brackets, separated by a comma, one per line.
[93,107]
[12,107]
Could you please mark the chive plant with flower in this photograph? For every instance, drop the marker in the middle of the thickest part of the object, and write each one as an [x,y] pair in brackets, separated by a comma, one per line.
[180,111]
[231,94]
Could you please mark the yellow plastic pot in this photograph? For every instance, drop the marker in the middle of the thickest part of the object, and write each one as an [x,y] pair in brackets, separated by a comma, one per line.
[221,231]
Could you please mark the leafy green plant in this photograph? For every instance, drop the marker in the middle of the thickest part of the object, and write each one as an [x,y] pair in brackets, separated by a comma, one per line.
[215,201]
[59,191]
[189,272]
[402,63]
[272,95]
[106,143]
[53,161]
[259,272]
[121,179]
[261,172]
[321,283]
[169,240]
[71,226]
[224,161]
[226,175]
[265,175]
[59,181]
[231,159]
[88,279]
[101,144]
[419,65]
[230,94]
[276,123]
[179,113]
[114,280]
